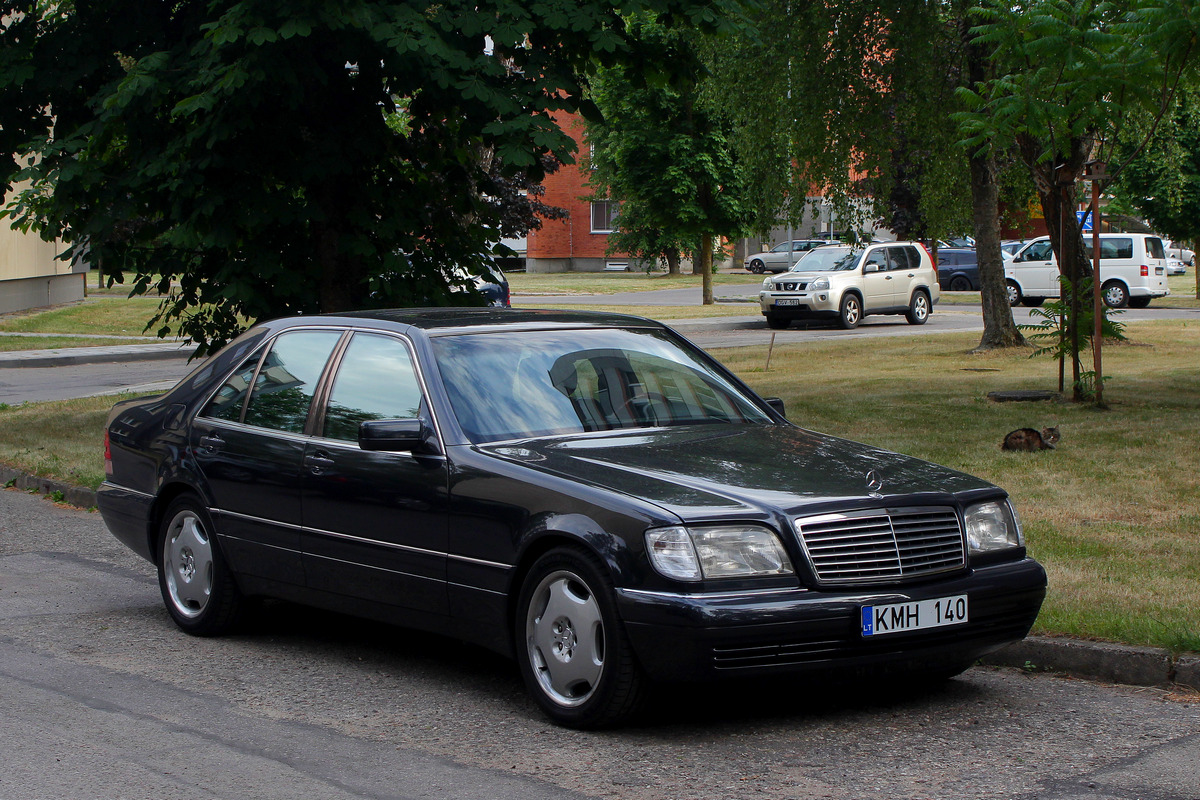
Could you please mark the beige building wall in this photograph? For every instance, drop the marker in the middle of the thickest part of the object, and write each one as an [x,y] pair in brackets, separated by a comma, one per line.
[30,276]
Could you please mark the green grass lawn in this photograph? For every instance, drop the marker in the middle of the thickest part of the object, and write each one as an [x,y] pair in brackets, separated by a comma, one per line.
[559,283]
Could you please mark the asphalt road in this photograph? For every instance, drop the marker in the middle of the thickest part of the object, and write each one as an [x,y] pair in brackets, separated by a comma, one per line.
[101,697]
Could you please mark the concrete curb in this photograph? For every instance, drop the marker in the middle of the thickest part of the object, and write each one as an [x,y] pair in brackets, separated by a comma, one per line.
[72,495]
[1102,661]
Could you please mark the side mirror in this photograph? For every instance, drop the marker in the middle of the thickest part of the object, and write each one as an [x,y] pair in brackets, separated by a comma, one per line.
[776,404]
[391,435]
[870,267]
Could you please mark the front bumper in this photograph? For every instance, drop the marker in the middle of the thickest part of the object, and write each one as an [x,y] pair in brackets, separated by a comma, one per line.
[798,304]
[702,637]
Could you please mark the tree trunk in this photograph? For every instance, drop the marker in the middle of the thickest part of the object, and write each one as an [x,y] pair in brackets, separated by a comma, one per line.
[999,330]
[706,262]
[1056,191]
[673,262]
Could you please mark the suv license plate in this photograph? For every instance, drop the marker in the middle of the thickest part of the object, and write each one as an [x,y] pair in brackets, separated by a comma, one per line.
[914,616]
[788,301]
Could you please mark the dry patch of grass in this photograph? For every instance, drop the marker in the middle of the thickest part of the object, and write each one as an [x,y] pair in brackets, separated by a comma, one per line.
[106,316]
[63,440]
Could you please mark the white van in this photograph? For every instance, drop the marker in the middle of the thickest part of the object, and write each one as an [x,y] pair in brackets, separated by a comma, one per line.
[1133,270]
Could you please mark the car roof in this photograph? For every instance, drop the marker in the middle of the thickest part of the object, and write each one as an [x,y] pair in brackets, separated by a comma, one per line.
[459,319]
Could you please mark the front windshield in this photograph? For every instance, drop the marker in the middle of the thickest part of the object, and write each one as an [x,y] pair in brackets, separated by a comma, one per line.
[828,259]
[518,385]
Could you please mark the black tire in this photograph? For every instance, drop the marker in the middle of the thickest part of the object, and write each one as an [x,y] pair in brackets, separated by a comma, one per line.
[757,267]
[777,323]
[1014,293]
[197,586]
[1032,302]
[850,311]
[1114,294]
[1139,302]
[579,666]
[960,284]
[918,308]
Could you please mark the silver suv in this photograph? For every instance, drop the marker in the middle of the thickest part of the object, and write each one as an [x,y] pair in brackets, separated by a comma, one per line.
[847,283]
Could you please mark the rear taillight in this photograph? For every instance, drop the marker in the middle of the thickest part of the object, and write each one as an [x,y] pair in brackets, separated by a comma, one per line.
[1145,271]
[932,263]
[107,456]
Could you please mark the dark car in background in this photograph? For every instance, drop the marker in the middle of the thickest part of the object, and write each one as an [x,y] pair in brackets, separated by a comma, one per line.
[588,493]
[958,269]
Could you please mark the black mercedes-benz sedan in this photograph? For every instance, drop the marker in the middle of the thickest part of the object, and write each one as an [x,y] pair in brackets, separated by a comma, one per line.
[587,492]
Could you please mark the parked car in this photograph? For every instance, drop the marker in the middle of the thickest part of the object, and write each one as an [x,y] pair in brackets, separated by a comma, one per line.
[1175,266]
[1177,250]
[958,270]
[1133,271]
[588,493]
[844,283]
[1011,246]
[777,258]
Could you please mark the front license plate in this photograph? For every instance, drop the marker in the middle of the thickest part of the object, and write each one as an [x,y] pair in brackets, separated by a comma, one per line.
[788,301]
[914,616]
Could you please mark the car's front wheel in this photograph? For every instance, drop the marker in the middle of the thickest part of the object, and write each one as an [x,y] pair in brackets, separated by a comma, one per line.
[850,311]
[757,267]
[572,649]
[918,308]
[197,586]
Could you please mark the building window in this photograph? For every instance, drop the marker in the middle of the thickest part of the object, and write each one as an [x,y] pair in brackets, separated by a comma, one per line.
[604,216]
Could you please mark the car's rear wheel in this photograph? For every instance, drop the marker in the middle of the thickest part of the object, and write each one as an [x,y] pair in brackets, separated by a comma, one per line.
[918,308]
[572,649]
[1115,294]
[1014,292]
[777,323]
[197,586]
[850,311]
[960,284]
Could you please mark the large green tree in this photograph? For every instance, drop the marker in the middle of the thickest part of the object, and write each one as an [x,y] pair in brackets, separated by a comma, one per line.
[1068,76]
[260,158]
[662,149]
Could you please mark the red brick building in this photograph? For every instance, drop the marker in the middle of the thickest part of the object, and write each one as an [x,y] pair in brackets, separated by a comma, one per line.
[577,243]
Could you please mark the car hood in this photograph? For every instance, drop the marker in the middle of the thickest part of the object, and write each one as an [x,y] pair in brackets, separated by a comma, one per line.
[707,471]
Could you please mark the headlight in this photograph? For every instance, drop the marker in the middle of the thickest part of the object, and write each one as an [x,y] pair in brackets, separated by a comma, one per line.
[769,283]
[993,526]
[819,284]
[728,551]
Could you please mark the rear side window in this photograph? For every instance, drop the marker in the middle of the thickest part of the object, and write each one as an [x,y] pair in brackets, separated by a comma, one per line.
[898,258]
[287,379]
[228,401]
[1115,248]
[914,256]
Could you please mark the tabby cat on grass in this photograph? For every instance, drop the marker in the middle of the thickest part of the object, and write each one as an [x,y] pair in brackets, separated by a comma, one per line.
[1031,439]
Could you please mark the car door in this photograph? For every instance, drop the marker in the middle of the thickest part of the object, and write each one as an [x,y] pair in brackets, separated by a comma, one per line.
[902,266]
[375,523]
[877,281]
[1036,270]
[248,443]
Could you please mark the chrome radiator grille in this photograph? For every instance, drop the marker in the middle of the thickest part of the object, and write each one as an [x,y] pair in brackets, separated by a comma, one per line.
[791,286]
[882,544]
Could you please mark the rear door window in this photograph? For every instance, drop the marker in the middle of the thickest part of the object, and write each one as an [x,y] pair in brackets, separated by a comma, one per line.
[287,380]
[1114,248]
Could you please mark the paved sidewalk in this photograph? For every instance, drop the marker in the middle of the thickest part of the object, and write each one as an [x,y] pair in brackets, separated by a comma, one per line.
[61,356]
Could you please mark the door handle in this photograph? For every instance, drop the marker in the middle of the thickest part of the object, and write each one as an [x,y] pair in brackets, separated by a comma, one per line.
[318,462]
[211,444]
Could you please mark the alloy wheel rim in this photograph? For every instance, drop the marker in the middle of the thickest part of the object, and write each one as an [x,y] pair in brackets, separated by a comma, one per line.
[188,564]
[565,638]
